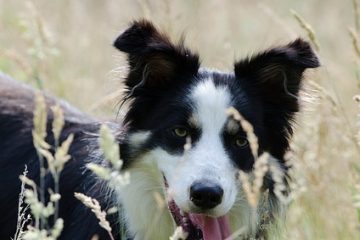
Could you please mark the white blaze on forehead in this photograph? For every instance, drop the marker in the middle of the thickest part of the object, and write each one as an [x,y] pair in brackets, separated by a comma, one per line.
[211,103]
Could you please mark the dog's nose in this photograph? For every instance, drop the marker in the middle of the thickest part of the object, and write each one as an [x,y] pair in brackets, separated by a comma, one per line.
[206,195]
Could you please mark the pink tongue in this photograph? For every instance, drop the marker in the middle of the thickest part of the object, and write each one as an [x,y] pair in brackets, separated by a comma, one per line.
[212,228]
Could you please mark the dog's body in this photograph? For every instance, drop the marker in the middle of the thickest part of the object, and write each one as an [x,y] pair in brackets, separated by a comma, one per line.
[17,105]
[173,102]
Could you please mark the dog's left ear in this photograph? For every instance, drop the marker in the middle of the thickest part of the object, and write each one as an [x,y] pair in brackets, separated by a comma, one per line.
[153,59]
[276,74]
[274,77]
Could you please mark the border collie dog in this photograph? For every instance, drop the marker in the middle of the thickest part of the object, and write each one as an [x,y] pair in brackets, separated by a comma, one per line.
[172,101]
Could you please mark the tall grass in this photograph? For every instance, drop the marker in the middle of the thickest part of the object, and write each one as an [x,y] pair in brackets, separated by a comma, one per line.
[43,211]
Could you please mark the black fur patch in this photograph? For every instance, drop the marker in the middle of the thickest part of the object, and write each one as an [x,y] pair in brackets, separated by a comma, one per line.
[274,77]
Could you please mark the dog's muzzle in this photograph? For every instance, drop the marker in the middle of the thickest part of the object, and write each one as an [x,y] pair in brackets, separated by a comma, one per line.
[205,196]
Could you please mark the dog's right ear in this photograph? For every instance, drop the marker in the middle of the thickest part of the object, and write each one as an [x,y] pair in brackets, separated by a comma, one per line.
[154,60]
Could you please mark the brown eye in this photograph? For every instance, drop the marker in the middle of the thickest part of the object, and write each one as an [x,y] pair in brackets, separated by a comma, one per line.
[241,142]
[181,132]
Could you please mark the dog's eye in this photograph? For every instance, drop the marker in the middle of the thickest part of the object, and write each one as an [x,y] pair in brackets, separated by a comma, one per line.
[181,132]
[241,142]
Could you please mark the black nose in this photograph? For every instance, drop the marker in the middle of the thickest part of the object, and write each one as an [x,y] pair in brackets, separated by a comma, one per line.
[206,195]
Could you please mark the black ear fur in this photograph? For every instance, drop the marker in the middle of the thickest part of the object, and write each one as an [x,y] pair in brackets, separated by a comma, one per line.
[274,76]
[153,59]
[278,70]
[139,37]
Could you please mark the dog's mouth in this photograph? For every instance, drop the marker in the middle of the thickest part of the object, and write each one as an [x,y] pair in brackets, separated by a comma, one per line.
[199,226]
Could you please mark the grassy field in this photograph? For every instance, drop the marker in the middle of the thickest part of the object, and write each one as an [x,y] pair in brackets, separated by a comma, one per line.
[65,47]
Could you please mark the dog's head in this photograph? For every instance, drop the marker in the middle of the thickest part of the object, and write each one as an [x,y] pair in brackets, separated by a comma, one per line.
[175,103]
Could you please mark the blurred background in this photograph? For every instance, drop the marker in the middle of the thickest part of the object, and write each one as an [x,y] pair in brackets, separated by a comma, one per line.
[65,48]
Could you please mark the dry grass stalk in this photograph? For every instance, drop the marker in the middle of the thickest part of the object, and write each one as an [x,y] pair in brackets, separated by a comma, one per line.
[61,155]
[58,122]
[357,135]
[37,234]
[95,207]
[110,149]
[40,120]
[356,15]
[247,127]
[307,27]
[39,134]
[40,211]
[39,208]
[356,199]
[253,182]
[23,217]
[57,161]
[356,196]
[279,186]
[40,42]
[324,93]
[355,41]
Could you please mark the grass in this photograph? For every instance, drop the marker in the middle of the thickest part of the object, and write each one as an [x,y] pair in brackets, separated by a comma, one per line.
[65,48]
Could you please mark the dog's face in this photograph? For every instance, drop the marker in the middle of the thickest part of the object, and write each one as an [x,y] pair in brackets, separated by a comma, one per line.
[177,117]
[202,178]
